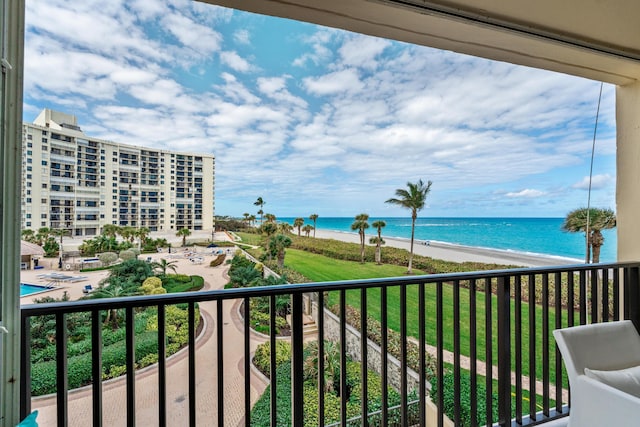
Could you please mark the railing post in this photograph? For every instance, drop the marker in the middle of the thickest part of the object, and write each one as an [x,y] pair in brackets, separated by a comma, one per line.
[504,351]
[297,361]
[632,295]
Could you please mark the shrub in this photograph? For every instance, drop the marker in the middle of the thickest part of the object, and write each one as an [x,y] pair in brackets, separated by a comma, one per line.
[151,285]
[217,260]
[465,399]
[261,358]
[108,258]
[127,255]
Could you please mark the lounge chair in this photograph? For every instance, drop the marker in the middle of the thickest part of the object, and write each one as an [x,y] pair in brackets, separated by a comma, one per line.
[87,289]
[603,366]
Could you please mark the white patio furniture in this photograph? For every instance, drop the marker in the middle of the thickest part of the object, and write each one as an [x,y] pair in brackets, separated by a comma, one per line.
[603,365]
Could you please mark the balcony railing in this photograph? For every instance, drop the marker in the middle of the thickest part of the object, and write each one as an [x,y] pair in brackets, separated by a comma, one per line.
[493,326]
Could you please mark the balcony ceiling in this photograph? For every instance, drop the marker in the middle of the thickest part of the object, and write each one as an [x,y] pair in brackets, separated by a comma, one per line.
[596,39]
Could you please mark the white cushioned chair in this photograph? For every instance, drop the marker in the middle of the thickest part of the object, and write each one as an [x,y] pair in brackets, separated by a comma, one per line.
[602,360]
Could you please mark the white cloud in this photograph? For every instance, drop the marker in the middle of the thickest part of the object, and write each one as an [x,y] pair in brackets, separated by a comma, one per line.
[332,83]
[235,61]
[362,51]
[193,35]
[242,36]
[529,193]
[597,182]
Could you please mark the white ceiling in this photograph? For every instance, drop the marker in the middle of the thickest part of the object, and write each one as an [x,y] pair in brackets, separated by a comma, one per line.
[597,39]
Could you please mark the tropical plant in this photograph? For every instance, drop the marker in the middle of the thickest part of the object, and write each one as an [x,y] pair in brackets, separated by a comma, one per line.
[285,227]
[270,217]
[184,232]
[163,265]
[277,246]
[361,224]
[269,228]
[243,277]
[591,222]
[28,235]
[260,202]
[59,232]
[414,199]
[246,216]
[378,241]
[115,291]
[314,218]
[307,229]
[298,223]
[142,233]
[110,230]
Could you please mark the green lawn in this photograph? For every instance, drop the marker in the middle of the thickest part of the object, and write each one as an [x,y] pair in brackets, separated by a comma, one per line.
[320,268]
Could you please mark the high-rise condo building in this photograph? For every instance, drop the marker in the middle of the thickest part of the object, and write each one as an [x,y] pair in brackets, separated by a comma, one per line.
[79,183]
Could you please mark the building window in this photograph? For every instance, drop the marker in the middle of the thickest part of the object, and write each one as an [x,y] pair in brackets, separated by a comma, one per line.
[29,144]
[43,216]
[28,199]
[43,201]
[30,137]
[44,140]
[45,133]
[28,215]
[44,185]
[29,168]
[44,162]
[28,176]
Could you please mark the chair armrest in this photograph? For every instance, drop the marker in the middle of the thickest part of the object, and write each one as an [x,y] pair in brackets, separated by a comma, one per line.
[595,404]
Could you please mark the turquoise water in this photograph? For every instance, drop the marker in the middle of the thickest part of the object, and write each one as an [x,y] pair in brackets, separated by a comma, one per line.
[541,236]
[26,289]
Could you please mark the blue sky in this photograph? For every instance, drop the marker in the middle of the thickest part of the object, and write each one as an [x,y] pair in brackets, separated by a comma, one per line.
[319,120]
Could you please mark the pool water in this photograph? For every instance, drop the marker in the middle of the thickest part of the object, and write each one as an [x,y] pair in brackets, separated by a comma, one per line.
[26,289]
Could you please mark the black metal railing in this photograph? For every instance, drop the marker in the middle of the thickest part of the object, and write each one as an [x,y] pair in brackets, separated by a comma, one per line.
[492,327]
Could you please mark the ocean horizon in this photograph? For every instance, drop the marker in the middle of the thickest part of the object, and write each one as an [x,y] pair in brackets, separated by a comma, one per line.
[534,236]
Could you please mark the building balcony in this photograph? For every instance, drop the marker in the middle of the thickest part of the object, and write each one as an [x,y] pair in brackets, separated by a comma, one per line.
[475,334]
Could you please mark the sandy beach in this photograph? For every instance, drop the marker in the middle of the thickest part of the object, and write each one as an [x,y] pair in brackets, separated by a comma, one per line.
[457,253]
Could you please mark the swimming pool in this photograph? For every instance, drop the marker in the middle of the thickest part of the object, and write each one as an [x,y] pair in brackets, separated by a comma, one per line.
[30,289]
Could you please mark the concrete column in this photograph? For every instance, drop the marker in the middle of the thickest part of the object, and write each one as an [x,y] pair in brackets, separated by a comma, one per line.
[628,171]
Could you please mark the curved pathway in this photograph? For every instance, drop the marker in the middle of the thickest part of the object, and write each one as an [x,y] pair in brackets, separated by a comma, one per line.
[114,395]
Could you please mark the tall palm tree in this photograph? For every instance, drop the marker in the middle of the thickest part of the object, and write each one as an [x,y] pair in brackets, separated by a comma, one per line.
[260,203]
[360,224]
[246,217]
[142,233]
[379,224]
[270,217]
[414,199]
[184,232]
[252,220]
[307,229]
[277,246]
[314,218]
[59,232]
[298,223]
[598,219]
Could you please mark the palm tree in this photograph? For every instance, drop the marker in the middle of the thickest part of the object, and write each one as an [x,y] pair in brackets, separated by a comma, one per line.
[110,230]
[163,265]
[59,232]
[378,241]
[307,229]
[252,220]
[285,227]
[277,247]
[114,291]
[298,223]
[361,223]
[28,235]
[260,203]
[591,222]
[270,217]
[142,234]
[184,232]
[314,218]
[414,199]
[246,217]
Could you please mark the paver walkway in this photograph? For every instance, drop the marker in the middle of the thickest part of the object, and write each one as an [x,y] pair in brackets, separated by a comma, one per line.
[114,396]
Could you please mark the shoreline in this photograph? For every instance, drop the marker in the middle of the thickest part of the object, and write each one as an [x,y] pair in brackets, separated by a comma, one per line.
[456,253]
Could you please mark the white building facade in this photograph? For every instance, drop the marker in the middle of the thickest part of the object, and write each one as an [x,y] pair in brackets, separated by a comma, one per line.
[75,182]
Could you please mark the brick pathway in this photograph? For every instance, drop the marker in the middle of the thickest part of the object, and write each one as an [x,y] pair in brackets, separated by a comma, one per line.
[114,396]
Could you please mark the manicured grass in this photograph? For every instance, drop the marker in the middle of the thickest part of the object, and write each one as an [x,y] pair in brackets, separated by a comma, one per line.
[250,238]
[321,268]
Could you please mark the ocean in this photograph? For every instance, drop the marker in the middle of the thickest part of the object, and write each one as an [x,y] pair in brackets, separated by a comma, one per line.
[539,236]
